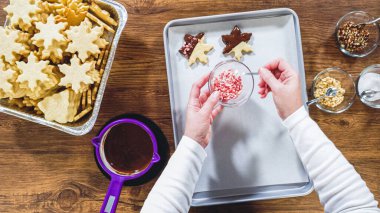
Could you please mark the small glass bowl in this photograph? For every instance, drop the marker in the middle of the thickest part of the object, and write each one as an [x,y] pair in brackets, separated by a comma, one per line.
[347,83]
[358,17]
[364,83]
[247,81]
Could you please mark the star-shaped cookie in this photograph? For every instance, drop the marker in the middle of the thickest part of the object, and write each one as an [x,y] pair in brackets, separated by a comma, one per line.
[76,75]
[73,12]
[10,48]
[61,107]
[85,40]
[7,76]
[21,12]
[237,43]
[33,72]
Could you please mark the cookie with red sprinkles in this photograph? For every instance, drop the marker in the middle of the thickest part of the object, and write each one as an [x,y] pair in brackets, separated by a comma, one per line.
[194,48]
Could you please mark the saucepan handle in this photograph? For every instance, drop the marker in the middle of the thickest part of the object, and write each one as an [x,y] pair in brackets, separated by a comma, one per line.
[112,197]
[96,141]
[156,158]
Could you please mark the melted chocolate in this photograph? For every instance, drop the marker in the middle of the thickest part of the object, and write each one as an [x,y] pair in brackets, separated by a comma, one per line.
[234,39]
[128,148]
[189,44]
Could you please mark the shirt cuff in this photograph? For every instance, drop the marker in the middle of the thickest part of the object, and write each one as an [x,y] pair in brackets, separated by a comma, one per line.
[194,146]
[295,118]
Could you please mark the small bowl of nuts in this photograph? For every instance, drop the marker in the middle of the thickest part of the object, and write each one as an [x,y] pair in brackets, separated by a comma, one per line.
[340,80]
[354,37]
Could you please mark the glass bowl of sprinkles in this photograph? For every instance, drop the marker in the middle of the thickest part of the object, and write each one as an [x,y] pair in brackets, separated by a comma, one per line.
[235,82]
[342,81]
[354,38]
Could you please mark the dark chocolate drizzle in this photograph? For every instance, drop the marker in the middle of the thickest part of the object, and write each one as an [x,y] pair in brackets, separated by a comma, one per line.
[190,43]
[234,39]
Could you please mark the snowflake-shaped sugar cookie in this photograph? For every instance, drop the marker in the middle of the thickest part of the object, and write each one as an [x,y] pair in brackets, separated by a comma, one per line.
[54,52]
[10,48]
[49,32]
[44,88]
[85,40]
[50,37]
[61,107]
[21,12]
[33,72]
[6,78]
[76,75]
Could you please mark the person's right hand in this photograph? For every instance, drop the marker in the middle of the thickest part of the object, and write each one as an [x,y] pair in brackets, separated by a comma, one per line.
[201,112]
[283,81]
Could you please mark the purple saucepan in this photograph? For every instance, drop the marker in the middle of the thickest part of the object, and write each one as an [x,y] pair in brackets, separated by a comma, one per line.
[117,180]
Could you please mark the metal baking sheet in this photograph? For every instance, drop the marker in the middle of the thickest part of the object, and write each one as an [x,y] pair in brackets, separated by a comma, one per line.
[86,124]
[251,155]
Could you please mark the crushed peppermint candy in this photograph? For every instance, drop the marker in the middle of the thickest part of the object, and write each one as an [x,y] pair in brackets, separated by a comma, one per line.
[189,44]
[229,84]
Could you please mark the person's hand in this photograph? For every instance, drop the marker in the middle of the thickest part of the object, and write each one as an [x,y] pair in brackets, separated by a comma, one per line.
[282,80]
[201,112]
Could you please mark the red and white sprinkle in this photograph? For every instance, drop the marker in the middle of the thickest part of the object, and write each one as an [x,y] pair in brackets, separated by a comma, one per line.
[229,84]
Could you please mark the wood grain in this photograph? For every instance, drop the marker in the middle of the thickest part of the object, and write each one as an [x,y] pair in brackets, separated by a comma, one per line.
[43,170]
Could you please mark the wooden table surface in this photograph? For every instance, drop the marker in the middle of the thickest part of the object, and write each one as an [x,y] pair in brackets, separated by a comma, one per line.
[44,170]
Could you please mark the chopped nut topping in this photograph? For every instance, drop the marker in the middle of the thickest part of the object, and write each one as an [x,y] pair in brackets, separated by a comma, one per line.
[322,87]
[352,37]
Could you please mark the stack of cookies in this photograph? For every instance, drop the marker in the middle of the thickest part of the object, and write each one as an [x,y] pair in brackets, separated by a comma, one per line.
[52,56]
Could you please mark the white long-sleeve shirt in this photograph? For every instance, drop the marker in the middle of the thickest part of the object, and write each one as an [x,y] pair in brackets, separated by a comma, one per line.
[339,186]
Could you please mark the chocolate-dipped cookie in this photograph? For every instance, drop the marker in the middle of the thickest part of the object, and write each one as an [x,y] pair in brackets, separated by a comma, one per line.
[194,48]
[237,43]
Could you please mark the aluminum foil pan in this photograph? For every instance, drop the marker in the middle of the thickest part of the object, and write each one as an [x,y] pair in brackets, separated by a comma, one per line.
[86,124]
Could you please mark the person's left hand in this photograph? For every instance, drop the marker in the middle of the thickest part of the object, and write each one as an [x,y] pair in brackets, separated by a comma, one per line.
[201,112]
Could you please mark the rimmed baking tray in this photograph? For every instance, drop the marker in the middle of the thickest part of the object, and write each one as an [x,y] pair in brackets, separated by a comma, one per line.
[86,124]
[251,155]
